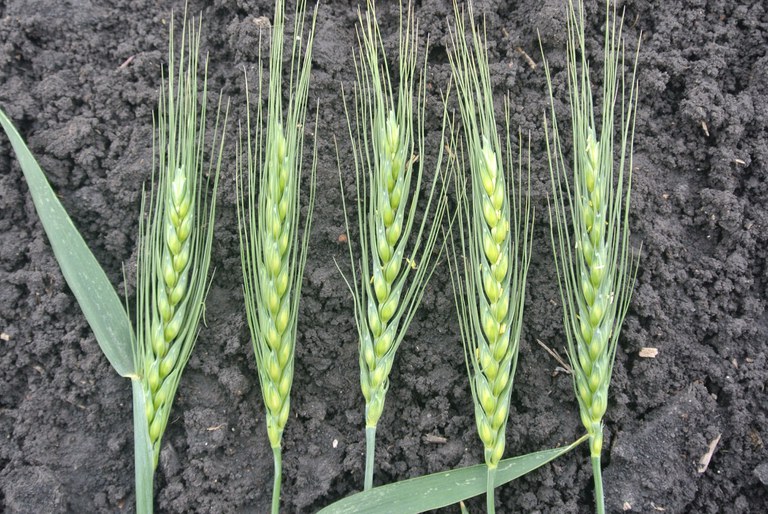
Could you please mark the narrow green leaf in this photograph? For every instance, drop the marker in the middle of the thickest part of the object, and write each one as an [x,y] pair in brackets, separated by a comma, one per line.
[444,488]
[97,298]
[144,457]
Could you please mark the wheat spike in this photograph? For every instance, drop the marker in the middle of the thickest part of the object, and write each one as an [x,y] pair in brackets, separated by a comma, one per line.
[397,254]
[494,251]
[272,248]
[596,271]
[175,240]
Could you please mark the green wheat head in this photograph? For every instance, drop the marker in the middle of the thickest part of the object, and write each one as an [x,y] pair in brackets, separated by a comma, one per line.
[273,249]
[388,139]
[175,239]
[494,252]
[590,215]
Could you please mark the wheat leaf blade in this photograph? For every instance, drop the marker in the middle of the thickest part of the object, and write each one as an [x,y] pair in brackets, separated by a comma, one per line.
[442,489]
[95,294]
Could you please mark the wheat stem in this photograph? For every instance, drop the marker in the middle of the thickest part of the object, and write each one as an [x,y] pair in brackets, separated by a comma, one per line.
[490,491]
[278,458]
[370,451]
[597,472]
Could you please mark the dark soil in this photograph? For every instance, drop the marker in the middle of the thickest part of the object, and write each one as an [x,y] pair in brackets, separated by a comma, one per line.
[80,79]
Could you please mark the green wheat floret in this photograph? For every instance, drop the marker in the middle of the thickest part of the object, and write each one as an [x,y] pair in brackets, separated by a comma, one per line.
[176,240]
[273,255]
[494,229]
[393,274]
[595,268]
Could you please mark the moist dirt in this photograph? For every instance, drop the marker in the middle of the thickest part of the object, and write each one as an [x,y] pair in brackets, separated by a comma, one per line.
[80,79]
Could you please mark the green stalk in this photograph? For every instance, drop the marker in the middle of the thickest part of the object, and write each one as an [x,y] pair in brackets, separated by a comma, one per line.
[597,472]
[143,458]
[278,457]
[370,451]
[490,491]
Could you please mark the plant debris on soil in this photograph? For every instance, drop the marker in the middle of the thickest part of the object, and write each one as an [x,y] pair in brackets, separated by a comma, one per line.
[686,425]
